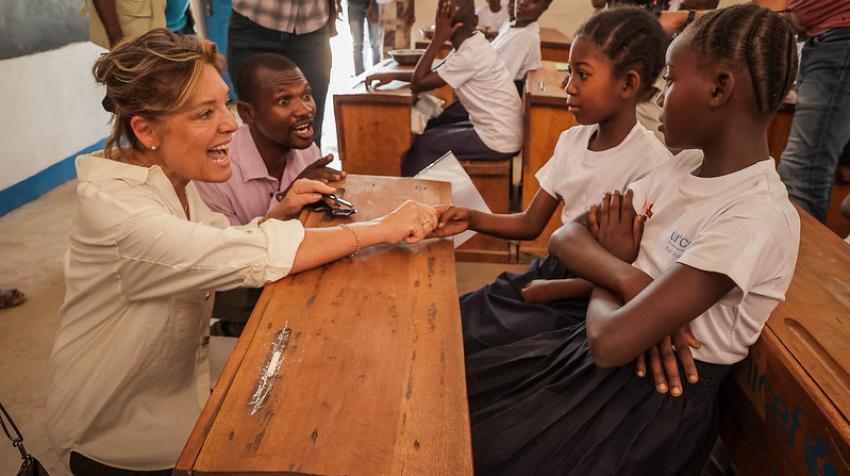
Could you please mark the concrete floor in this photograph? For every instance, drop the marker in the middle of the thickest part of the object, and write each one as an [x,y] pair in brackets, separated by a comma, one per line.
[33,240]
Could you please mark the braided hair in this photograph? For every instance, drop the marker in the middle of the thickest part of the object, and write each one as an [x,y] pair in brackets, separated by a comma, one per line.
[632,38]
[755,38]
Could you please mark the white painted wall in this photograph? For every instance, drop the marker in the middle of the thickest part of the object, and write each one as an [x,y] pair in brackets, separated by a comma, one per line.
[49,109]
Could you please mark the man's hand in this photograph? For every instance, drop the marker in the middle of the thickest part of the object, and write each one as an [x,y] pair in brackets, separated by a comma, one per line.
[410,13]
[302,192]
[319,170]
[664,360]
[444,29]
[616,226]
[452,220]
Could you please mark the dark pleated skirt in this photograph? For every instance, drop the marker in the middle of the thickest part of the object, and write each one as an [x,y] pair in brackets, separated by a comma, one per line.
[496,314]
[540,406]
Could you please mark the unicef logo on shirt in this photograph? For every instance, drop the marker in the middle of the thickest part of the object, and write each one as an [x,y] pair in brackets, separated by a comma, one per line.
[676,244]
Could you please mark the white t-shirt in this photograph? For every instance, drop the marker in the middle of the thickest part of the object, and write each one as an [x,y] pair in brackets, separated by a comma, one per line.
[490,20]
[740,225]
[578,176]
[487,91]
[519,48]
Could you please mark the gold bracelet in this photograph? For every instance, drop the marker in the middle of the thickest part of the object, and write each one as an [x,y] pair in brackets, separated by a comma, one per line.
[348,227]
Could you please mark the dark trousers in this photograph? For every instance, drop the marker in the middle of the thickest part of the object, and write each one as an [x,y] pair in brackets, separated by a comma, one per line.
[458,138]
[83,466]
[310,51]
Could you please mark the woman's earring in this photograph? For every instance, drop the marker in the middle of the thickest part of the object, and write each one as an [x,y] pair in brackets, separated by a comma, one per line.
[153,147]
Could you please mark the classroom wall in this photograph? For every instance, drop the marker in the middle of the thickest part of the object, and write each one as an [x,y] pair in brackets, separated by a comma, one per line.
[50,111]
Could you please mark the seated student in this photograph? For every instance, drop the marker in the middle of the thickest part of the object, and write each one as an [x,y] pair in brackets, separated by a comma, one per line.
[491,16]
[614,60]
[271,150]
[482,85]
[718,253]
[518,42]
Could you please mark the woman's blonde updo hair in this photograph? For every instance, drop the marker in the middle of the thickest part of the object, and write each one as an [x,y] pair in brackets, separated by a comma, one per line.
[151,76]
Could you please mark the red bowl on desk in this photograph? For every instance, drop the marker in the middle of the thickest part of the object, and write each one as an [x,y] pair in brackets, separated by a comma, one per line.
[407,57]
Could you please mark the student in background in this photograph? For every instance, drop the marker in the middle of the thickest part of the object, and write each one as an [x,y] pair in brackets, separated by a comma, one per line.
[491,16]
[718,253]
[358,12]
[613,60]
[482,85]
[178,18]
[518,42]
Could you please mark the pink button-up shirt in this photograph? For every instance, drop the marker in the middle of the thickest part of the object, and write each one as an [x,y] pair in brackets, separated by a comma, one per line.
[250,191]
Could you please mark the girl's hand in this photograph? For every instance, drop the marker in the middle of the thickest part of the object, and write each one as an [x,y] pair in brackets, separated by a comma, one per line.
[537,291]
[411,222]
[443,27]
[452,220]
[302,192]
[616,226]
[319,170]
[664,359]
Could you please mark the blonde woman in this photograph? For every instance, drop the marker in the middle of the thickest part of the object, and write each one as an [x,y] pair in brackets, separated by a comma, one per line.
[129,366]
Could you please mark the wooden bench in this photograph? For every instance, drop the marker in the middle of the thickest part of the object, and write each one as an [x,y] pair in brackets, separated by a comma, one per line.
[786,408]
[372,380]
[374,131]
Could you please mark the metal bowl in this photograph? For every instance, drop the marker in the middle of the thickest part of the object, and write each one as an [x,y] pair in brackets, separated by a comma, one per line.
[427,32]
[408,57]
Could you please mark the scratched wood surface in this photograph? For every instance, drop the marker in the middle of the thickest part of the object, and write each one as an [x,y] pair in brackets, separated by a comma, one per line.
[797,378]
[546,116]
[554,45]
[372,382]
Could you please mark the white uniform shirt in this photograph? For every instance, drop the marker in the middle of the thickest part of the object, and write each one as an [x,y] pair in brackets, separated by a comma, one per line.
[487,91]
[129,368]
[740,225]
[578,176]
[519,48]
[490,20]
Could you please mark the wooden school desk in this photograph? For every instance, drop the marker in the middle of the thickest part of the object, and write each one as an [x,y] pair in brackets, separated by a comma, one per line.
[372,381]
[546,116]
[785,410]
[554,45]
[373,132]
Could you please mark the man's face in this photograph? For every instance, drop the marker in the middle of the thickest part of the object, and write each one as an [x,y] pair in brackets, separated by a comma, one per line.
[283,108]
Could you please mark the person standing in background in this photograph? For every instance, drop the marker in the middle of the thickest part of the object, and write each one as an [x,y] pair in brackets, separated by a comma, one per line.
[358,11]
[110,21]
[298,29]
[178,18]
[397,17]
[820,130]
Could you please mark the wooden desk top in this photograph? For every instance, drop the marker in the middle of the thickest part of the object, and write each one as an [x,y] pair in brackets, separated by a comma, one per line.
[372,381]
[552,38]
[395,92]
[551,93]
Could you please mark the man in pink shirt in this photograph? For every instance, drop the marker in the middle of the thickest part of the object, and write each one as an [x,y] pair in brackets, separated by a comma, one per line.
[274,146]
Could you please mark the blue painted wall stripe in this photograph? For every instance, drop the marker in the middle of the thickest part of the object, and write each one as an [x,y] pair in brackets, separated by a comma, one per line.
[34,187]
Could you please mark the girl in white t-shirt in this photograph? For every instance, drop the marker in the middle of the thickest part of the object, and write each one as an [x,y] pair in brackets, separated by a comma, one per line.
[717,254]
[610,149]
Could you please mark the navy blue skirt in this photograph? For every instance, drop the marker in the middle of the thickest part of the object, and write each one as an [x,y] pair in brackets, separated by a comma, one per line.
[541,406]
[496,314]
